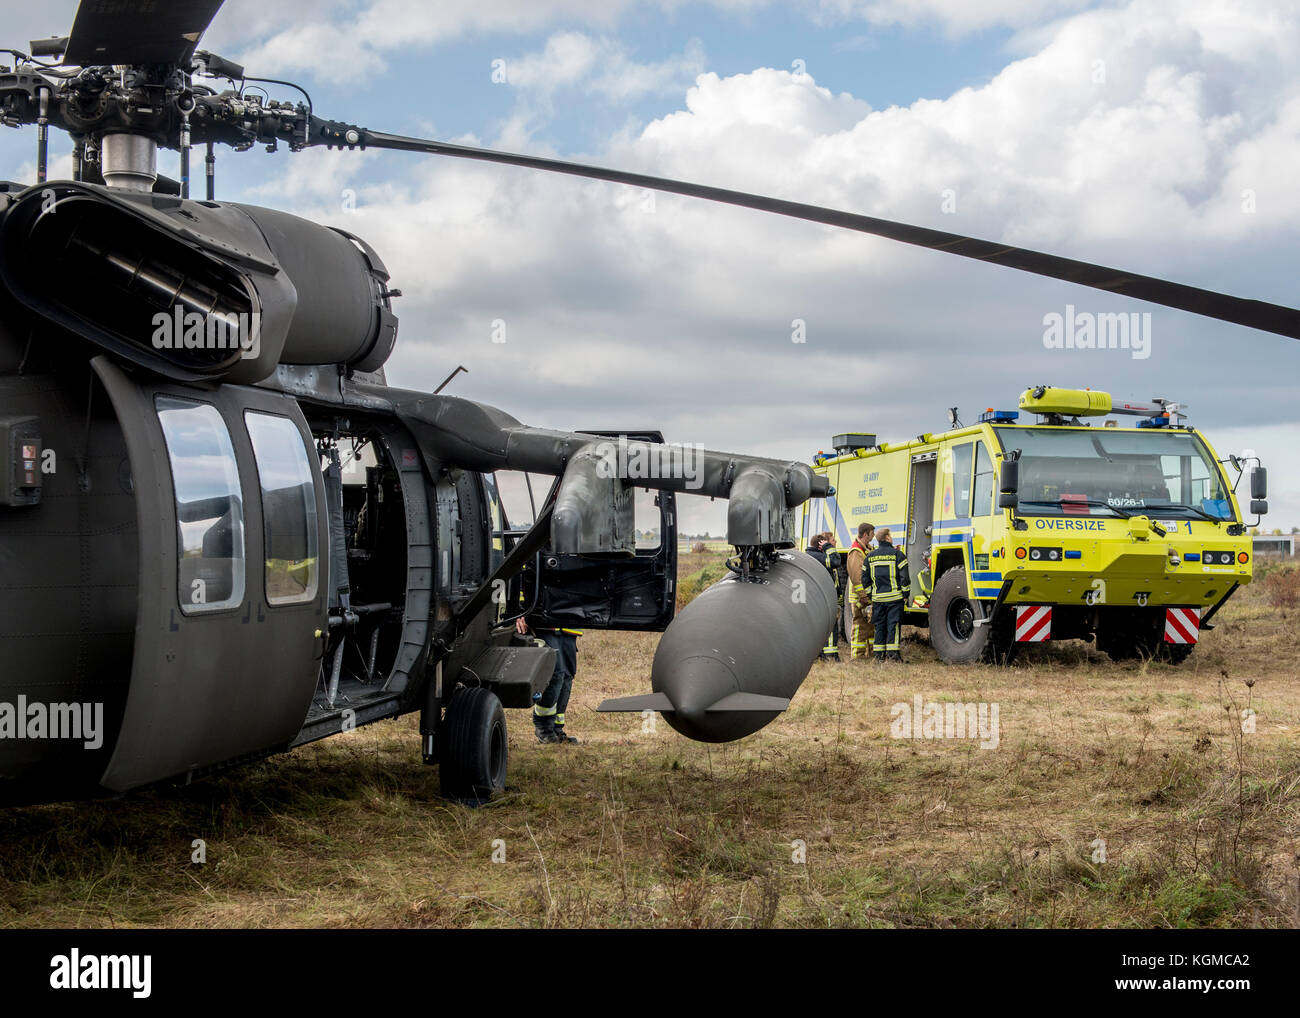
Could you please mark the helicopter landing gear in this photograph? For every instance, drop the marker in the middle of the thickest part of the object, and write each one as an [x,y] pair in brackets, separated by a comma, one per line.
[472,746]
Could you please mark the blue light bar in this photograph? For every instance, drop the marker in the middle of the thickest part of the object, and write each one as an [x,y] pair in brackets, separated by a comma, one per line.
[999,416]
[1154,422]
[1073,553]
[1192,556]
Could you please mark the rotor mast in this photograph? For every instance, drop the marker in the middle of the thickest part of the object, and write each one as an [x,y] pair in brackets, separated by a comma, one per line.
[129,161]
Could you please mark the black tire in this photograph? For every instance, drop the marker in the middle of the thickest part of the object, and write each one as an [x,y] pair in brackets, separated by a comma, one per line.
[1174,653]
[1117,641]
[473,746]
[953,633]
[1130,634]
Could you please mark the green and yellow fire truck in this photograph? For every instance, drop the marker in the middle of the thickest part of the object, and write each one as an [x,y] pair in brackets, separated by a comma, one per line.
[1069,527]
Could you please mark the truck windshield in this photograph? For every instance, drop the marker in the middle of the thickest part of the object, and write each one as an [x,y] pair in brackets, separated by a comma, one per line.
[1086,472]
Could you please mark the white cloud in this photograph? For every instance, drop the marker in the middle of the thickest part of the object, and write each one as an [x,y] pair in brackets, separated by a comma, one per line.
[602,66]
[355,42]
[957,16]
[355,37]
[677,314]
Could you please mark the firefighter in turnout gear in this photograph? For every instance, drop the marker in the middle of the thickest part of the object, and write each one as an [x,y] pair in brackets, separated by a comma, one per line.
[884,577]
[858,593]
[548,711]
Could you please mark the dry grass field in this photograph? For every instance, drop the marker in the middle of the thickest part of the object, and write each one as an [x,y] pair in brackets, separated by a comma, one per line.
[823,819]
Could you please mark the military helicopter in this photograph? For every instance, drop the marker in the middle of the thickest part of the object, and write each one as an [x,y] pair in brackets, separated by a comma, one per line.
[187,581]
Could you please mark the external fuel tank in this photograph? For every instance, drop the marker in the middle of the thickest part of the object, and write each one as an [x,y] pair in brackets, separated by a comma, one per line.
[734,657]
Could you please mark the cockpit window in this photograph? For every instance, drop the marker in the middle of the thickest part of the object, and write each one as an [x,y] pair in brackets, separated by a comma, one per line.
[288,509]
[209,505]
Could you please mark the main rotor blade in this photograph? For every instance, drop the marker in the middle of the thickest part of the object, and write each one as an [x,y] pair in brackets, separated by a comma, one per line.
[1254,314]
[138,31]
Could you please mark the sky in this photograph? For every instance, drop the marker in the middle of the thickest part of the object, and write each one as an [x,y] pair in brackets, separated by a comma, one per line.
[1156,136]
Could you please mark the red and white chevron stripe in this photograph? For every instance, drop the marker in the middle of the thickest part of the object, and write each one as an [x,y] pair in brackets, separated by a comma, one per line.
[1033,623]
[1182,625]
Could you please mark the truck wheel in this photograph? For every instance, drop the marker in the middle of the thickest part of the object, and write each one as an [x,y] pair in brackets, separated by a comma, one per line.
[473,751]
[953,633]
[1129,634]
[1118,639]
[1174,653]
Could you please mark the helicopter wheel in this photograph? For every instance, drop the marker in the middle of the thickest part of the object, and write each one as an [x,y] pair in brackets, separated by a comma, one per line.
[474,750]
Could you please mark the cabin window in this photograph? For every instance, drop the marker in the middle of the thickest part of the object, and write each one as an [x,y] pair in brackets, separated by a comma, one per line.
[285,475]
[956,496]
[982,499]
[209,506]
[645,508]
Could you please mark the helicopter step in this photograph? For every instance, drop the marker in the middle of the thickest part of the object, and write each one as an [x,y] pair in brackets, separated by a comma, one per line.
[360,709]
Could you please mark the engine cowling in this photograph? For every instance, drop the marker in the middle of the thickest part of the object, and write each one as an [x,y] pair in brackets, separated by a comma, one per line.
[195,290]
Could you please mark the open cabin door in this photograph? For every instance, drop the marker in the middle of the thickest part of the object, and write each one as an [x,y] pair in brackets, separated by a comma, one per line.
[612,592]
[920,515]
[232,586]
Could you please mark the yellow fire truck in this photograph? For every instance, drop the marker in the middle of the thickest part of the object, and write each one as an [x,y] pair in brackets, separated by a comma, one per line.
[1064,528]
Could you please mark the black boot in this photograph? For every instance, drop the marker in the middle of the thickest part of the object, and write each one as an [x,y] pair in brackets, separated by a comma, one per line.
[894,655]
[545,729]
[879,655]
[562,736]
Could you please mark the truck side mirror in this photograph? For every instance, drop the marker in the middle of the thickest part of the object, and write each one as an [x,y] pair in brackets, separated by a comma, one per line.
[1009,484]
[1259,507]
[1010,477]
[1258,484]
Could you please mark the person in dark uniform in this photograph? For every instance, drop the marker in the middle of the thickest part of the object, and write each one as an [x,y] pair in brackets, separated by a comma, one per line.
[548,711]
[885,578]
[822,548]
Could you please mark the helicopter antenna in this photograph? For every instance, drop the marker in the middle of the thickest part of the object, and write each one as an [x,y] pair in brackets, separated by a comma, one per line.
[447,380]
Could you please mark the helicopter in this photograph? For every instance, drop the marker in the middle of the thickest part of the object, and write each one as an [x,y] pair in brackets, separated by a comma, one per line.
[224,534]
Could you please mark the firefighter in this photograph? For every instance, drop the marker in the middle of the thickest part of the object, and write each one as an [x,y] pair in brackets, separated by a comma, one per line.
[822,548]
[548,711]
[884,577]
[857,592]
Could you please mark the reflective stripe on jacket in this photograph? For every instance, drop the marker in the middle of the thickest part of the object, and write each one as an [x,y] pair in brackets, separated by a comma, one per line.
[884,574]
[857,555]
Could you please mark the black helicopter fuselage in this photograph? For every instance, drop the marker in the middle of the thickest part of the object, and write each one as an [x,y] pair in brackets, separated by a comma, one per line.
[190,577]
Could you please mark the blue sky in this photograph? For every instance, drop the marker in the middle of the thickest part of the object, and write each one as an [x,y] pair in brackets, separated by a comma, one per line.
[447,87]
